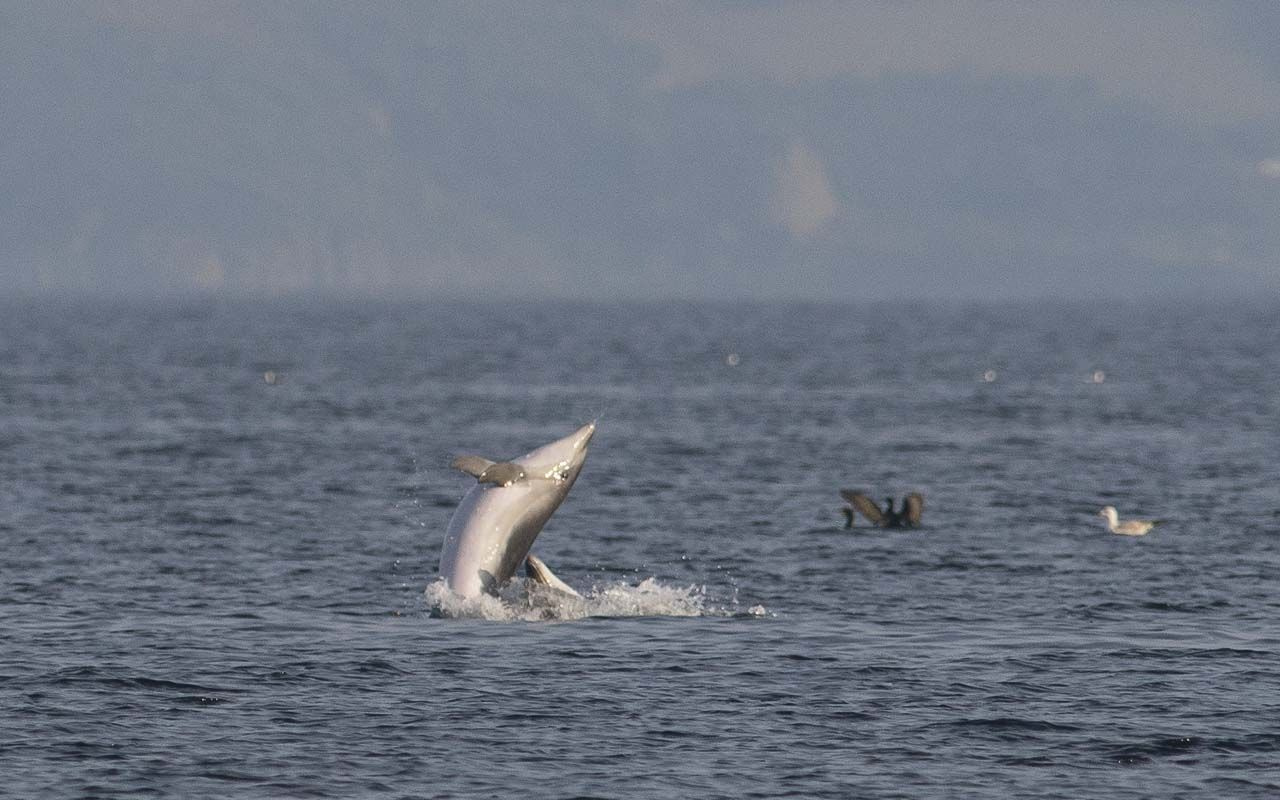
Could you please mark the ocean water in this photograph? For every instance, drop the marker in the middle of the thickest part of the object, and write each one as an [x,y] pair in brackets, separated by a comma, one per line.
[221,523]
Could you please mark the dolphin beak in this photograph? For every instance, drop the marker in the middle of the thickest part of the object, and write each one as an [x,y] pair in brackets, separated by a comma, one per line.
[583,435]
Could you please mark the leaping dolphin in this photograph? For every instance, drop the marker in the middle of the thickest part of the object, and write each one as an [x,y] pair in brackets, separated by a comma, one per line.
[494,526]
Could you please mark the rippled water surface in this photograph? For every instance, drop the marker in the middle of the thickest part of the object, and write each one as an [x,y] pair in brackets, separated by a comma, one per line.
[221,526]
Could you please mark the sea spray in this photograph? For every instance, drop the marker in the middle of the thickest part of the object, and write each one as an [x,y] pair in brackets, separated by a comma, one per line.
[523,600]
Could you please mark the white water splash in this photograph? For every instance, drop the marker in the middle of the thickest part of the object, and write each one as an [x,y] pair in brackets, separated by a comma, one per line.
[522,600]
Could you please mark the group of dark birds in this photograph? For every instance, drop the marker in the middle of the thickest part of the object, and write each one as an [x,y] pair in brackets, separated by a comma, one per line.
[906,516]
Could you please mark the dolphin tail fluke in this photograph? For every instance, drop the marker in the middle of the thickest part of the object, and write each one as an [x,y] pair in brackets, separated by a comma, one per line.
[539,572]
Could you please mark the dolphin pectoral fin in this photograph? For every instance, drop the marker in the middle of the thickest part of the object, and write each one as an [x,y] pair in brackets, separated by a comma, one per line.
[472,465]
[488,583]
[486,471]
[503,474]
[539,572]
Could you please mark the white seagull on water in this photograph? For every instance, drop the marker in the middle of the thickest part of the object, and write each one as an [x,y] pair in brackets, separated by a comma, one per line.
[1130,527]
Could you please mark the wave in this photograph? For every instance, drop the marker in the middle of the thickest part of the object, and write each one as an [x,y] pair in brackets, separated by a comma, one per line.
[523,600]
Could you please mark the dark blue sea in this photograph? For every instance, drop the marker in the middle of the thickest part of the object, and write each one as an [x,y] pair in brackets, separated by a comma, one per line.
[221,524]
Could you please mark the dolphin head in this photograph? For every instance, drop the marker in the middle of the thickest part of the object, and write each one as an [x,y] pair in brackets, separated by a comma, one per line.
[562,459]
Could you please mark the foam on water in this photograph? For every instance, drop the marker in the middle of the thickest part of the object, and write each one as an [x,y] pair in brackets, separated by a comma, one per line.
[523,600]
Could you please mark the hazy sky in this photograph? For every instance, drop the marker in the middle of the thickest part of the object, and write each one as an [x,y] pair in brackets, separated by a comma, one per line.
[807,150]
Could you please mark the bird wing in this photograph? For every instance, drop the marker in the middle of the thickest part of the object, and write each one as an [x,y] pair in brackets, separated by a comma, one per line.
[1135,527]
[864,504]
[914,508]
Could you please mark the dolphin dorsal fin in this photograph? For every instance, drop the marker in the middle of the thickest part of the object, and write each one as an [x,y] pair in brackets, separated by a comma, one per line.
[503,474]
[472,465]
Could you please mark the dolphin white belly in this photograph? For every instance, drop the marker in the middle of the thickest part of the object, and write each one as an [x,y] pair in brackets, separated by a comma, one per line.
[499,518]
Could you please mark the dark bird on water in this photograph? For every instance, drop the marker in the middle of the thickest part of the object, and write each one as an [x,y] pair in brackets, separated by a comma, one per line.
[907,517]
